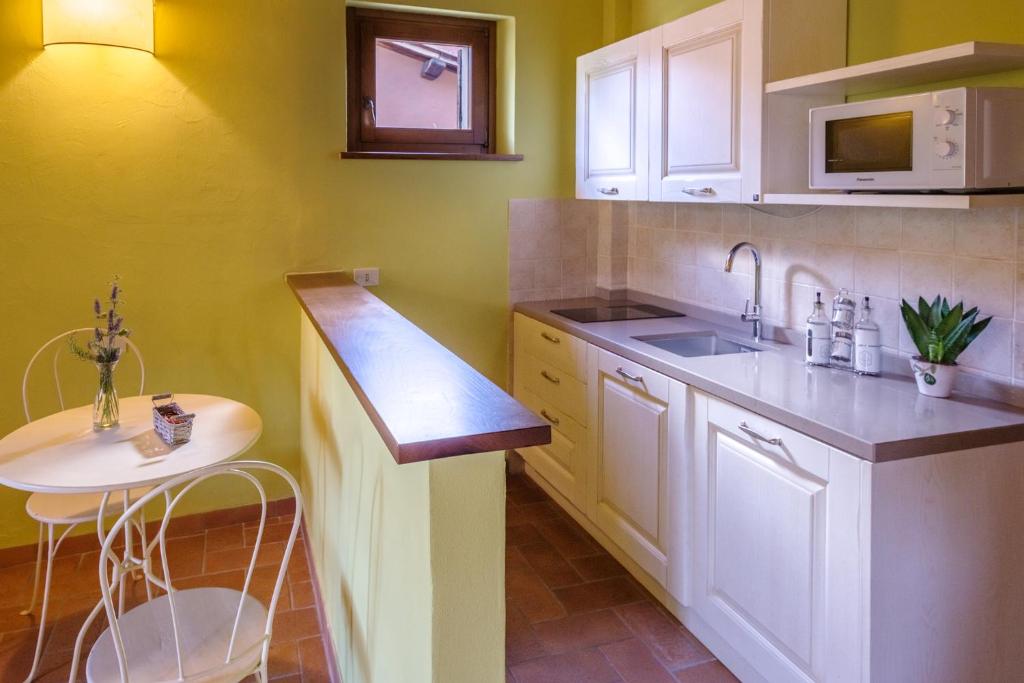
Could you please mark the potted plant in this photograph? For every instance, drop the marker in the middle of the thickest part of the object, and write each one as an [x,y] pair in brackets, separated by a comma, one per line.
[941,334]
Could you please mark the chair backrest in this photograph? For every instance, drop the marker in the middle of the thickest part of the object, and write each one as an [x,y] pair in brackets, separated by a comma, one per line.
[112,572]
[60,342]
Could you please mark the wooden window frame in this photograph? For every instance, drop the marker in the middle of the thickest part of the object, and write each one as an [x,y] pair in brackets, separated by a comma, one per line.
[364,26]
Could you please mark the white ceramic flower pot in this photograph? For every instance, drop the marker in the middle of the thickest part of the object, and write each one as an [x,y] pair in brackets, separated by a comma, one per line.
[934,379]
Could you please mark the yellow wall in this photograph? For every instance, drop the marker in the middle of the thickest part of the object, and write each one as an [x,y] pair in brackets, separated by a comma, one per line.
[204,174]
[383,538]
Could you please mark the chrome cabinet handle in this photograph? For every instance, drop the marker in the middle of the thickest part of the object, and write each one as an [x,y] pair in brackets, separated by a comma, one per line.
[553,340]
[626,375]
[608,190]
[702,192]
[754,434]
[550,418]
[550,378]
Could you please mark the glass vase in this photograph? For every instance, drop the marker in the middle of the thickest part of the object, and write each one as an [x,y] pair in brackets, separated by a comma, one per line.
[105,410]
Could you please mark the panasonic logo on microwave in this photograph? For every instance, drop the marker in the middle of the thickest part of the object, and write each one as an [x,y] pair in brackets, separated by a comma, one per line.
[865,180]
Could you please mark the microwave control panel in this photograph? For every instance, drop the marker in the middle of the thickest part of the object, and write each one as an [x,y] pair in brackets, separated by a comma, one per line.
[948,109]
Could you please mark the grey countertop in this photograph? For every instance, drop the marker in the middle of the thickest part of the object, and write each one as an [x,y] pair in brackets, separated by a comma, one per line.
[874,418]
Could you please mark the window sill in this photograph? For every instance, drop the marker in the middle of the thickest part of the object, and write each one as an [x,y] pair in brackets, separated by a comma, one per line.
[432,156]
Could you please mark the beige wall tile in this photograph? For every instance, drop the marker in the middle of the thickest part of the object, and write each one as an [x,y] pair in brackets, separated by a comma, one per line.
[986,284]
[708,250]
[735,220]
[877,228]
[992,351]
[520,275]
[1018,350]
[655,215]
[835,225]
[928,231]
[876,272]
[925,275]
[986,233]
[699,217]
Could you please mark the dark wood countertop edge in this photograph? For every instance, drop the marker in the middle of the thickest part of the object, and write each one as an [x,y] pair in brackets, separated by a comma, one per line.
[536,433]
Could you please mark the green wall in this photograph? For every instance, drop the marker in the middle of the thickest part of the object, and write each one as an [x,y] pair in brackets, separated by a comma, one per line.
[204,174]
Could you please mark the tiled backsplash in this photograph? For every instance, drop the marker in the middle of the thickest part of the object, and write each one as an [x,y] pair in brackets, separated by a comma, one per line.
[563,248]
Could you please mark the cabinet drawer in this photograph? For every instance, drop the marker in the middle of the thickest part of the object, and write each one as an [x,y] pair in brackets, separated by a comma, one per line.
[564,351]
[633,374]
[567,435]
[556,388]
[757,432]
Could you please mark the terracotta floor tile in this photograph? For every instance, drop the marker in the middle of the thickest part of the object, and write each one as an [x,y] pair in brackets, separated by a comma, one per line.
[527,493]
[588,666]
[529,593]
[276,532]
[596,595]
[533,512]
[635,663]
[596,567]
[567,537]
[314,660]
[711,672]
[223,560]
[522,534]
[225,537]
[552,568]
[303,594]
[284,659]
[521,642]
[295,624]
[670,642]
[581,631]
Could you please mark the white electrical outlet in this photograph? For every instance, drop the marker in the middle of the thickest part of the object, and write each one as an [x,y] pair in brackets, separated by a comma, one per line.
[366,277]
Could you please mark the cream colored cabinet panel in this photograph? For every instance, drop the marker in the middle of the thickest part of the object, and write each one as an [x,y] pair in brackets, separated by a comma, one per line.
[562,462]
[706,105]
[564,351]
[555,386]
[776,511]
[634,450]
[612,121]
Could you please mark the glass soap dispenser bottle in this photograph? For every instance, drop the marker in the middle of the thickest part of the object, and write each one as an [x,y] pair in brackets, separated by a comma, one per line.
[843,311]
[818,335]
[867,343]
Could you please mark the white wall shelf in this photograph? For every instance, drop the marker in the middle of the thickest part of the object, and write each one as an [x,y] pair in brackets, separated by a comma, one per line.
[905,201]
[962,60]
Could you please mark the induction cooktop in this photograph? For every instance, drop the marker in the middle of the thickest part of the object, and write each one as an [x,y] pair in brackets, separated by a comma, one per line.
[625,310]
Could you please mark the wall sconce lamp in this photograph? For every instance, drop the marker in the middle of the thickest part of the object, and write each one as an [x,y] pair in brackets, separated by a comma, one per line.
[121,23]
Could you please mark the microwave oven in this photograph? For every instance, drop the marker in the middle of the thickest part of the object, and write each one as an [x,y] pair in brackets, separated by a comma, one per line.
[958,140]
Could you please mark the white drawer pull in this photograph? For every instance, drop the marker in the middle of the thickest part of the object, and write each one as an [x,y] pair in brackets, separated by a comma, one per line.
[699,192]
[608,190]
[550,418]
[631,378]
[752,433]
[553,340]
[549,377]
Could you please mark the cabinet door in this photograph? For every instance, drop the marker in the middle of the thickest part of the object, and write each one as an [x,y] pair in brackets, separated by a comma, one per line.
[776,545]
[612,121]
[635,449]
[706,105]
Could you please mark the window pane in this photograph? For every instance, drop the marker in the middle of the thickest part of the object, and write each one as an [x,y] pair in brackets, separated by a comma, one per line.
[422,85]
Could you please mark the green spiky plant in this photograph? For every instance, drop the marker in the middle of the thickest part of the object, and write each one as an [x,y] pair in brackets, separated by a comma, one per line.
[941,333]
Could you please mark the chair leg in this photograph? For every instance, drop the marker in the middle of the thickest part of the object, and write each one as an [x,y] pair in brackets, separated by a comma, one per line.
[145,552]
[39,567]
[46,602]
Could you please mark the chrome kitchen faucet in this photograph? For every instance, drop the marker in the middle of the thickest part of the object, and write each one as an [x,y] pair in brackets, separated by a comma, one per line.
[748,316]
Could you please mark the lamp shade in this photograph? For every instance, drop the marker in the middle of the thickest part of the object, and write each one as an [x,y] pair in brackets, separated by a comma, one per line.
[122,23]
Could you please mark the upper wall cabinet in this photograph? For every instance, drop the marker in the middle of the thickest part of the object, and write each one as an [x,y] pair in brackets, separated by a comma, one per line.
[697,87]
[706,105]
[612,121]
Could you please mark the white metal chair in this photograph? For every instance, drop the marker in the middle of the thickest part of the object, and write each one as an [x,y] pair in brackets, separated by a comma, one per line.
[198,634]
[59,509]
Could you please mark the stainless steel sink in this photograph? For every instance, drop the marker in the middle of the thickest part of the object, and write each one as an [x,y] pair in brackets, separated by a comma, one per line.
[694,344]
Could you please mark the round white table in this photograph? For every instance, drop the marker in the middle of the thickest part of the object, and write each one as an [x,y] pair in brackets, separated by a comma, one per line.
[62,453]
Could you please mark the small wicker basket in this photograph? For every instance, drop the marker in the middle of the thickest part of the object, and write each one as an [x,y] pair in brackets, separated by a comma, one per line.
[172,423]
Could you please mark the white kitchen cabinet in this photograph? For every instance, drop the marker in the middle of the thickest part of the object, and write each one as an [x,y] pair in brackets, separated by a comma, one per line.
[637,442]
[778,561]
[706,81]
[549,377]
[612,121]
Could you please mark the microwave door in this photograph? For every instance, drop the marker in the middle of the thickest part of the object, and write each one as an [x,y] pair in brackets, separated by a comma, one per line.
[865,146]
